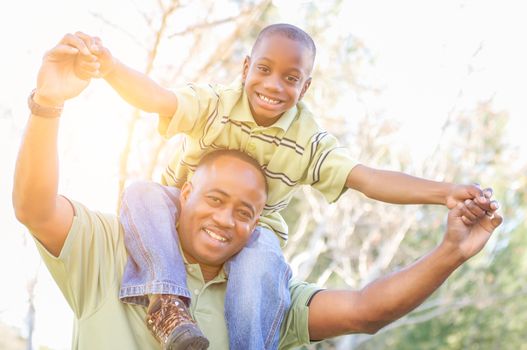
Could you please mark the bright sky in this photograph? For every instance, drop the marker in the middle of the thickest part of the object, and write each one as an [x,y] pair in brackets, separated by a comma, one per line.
[423,52]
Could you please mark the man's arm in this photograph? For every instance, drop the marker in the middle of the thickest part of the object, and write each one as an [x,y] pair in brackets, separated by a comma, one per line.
[399,188]
[35,199]
[134,87]
[333,313]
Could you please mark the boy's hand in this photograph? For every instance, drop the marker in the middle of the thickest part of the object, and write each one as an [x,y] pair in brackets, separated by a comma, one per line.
[460,193]
[105,61]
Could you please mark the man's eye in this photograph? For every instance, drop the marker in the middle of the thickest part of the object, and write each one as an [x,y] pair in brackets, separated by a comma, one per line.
[213,199]
[245,214]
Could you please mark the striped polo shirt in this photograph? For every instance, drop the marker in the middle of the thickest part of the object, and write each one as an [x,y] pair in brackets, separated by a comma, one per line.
[293,151]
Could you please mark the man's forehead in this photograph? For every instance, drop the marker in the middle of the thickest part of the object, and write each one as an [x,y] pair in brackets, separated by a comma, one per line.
[228,167]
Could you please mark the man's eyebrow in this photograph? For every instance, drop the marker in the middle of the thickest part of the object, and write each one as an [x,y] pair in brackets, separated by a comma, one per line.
[244,203]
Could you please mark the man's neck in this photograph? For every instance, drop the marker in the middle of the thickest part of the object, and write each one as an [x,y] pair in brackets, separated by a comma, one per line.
[209,272]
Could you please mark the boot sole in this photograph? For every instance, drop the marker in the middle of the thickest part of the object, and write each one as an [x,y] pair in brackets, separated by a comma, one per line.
[187,337]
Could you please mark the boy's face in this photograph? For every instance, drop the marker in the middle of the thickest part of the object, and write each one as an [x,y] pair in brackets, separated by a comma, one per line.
[276,77]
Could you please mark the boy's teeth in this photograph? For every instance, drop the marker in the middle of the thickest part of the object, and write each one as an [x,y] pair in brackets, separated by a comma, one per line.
[268,100]
[215,236]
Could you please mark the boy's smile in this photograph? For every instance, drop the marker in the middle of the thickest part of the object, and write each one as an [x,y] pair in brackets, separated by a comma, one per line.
[276,77]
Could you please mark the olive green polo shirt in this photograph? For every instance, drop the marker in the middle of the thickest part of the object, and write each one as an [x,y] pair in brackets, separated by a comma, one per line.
[294,151]
[89,270]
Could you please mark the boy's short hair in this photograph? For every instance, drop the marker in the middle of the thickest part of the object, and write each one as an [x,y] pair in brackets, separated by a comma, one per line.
[289,31]
[209,159]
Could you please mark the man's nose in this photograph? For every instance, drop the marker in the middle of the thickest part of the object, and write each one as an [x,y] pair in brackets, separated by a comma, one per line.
[224,217]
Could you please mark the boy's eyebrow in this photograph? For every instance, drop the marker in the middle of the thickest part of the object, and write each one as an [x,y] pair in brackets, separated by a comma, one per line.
[244,203]
[294,69]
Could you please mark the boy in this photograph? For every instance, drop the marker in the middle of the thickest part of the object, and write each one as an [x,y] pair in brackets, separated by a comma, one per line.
[262,115]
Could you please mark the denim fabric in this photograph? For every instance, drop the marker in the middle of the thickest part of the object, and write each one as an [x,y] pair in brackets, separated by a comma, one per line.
[257,295]
[155,265]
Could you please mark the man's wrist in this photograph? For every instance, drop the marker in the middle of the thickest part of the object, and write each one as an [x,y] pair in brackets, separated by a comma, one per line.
[451,254]
[42,106]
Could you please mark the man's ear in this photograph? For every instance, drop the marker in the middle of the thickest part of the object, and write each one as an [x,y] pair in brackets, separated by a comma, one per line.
[306,86]
[186,190]
[246,65]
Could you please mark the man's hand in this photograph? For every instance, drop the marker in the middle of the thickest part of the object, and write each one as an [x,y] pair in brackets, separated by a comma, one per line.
[469,227]
[103,56]
[57,80]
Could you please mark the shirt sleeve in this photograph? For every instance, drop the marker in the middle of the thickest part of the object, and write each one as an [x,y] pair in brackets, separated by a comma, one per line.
[329,166]
[85,269]
[194,103]
[295,327]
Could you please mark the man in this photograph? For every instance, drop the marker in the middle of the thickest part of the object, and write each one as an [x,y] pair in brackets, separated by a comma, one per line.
[85,253]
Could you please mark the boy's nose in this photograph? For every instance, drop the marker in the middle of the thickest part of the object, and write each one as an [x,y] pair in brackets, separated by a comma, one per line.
[273,83]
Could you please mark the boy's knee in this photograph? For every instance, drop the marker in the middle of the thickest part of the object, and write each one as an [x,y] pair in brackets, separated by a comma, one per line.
[140,188]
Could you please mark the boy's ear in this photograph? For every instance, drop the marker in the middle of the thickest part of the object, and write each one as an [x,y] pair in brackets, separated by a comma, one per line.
[306,86]
[246,65]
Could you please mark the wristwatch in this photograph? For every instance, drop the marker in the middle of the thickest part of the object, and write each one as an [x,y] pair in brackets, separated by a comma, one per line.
[43,111]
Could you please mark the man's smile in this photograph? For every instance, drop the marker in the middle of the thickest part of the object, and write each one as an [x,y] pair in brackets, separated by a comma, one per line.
[215,235]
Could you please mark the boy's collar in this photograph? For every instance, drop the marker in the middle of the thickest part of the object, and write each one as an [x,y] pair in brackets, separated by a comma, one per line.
[242,113]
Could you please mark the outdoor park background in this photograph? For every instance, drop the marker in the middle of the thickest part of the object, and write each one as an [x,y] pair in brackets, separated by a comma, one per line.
[435,89]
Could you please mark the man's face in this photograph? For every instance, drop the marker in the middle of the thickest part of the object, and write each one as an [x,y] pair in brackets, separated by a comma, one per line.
[276,77]
[219,210]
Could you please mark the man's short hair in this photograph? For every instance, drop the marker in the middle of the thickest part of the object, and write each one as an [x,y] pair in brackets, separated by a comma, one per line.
[289,31]
[209,159]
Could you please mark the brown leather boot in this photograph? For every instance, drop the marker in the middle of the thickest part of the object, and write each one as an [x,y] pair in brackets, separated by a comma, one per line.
[168,318]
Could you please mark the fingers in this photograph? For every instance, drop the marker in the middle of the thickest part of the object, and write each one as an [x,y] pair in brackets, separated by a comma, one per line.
[86,69]
[491,223]
[61,49]
[98,47]
[76,42]
[90,42]
[496,220]
[471,212]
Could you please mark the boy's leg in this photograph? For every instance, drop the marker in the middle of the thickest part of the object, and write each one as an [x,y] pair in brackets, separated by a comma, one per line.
[257,293]
[155,267]
[148,214]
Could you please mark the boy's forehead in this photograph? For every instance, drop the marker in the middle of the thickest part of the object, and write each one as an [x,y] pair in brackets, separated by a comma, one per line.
[271,39]
[278,44]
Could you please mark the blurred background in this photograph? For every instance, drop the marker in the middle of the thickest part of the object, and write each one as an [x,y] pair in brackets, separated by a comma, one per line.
[434,89]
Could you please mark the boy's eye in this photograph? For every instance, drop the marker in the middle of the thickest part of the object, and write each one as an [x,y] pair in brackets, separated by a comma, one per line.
[263,69]
[292,79]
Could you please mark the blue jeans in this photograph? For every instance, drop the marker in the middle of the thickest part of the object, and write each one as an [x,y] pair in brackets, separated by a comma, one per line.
[257,295]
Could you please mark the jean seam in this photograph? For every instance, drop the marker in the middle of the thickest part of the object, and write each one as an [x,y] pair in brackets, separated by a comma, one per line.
[279,315]
[135,233]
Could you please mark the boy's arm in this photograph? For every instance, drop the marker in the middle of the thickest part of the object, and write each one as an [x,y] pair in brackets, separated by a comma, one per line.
[399,188]
[134,87]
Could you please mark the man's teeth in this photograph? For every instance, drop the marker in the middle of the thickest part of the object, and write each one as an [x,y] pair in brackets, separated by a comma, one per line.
[268,100]
[215,236]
